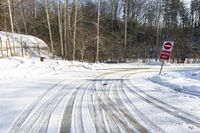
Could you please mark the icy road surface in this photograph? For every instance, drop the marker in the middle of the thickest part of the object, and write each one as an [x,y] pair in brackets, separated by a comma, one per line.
[125,100]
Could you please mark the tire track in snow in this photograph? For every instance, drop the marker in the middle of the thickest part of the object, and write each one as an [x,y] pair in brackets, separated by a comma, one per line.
[104,120]
[118,114]
[166,105]
[95,110]
[39,119]
[97,114]
[47,109]
[77,113]
[156,103]
[119,102]
[194,117]
[87,103]
[66,124]
[132,108]
[25,114]
[35,117]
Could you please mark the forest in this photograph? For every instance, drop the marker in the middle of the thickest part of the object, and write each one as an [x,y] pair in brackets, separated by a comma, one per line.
[107,30]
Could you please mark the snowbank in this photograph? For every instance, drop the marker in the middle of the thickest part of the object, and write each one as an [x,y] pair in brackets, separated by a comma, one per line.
[19,39]
[24,45]
[16,67]
[187,81]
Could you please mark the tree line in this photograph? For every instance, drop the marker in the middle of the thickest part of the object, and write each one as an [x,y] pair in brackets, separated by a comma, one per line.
[107,30]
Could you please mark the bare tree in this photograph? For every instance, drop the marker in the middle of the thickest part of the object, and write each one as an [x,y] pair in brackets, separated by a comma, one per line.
[60,29]
[11,17]
[12,25]
[49,26]
[125,29]
[65,28]
[98,22]
[74,33]
[35,9]
[158,16]
[22,15]
[5,28]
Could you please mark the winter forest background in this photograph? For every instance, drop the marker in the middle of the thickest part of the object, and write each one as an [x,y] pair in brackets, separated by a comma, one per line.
[107,30]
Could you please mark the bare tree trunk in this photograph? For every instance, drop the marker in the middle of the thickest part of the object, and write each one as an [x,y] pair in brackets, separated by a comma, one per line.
[49,26]
[11,19]
[22,14]
[69,29]
[98,22]
[113,18]
[69,20]
[74,34]
[5,22]
[125,30]
[158,27]
[60,29]
[35,9]
[12,26]
[157,41]
[1,47]
[82,46]
[65,28]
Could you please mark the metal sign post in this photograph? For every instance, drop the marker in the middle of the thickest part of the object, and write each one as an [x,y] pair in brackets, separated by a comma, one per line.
[161,67]
[165,52]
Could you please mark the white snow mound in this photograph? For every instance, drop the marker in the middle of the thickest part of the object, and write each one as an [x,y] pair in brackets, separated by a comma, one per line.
[26,45]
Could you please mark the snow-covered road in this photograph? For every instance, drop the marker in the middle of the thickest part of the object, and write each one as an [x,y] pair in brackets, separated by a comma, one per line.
[102,100]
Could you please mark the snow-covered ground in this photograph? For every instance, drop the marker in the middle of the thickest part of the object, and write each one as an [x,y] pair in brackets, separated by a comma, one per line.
[62,96]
